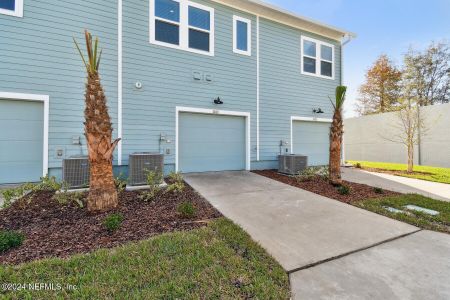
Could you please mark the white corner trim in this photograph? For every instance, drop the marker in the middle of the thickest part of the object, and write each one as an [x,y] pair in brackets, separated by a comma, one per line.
[180,109]
[249,36]
[318,57]
[305,119]
[18,12]
[119,81]
[183,27]
[40,98]
[257,88]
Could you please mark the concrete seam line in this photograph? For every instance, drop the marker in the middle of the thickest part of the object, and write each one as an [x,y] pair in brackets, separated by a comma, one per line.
[351,252]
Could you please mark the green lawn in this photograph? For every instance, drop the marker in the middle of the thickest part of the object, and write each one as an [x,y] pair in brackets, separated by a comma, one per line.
[440,222]
[435,174]
[219,261]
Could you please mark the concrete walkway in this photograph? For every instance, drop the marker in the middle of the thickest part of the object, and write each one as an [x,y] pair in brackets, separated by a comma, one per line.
[296,227]
[331,250]
[435,190]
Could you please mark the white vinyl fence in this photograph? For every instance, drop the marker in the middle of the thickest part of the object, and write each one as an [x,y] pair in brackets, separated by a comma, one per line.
[369,138]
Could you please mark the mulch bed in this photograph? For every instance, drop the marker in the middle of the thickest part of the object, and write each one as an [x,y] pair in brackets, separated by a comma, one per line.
[320,186]
[55,230]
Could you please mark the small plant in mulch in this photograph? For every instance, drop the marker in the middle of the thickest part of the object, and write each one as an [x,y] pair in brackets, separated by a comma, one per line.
[112,222]
[358,166]
[154,180]
[186,210]
[120,182]
[46,184]
[176,183]
[378,190]
[10,239]
[310,173]
[344,190]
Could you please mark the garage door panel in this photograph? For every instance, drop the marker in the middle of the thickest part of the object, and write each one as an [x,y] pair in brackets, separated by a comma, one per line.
[211,142]
[312,139]
[21,141]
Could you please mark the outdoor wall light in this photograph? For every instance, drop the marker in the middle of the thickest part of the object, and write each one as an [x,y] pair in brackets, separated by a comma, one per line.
[218,101]
[318,111]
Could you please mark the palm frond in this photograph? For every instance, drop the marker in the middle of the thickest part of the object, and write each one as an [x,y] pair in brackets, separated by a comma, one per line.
[341,90]
[81,54]
[92,62]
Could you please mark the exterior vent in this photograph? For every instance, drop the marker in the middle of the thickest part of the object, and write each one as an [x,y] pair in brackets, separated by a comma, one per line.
[76,171]
[292,164]
[141,163]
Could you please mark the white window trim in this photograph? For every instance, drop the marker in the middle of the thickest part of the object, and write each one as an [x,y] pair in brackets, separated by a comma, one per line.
[40,98]
[305,119]
[249,36]
[183,27]
[18,12]
[181,109]
[318,57]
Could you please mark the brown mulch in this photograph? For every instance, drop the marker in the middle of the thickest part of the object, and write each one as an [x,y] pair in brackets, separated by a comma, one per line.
[320,186]
[55,230]
[395,172]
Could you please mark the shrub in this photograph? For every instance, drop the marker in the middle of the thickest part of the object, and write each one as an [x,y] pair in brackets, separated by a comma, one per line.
[358,165]
[154,180]
[310,173]
[112,222]
[120,182]
[378,190]
[48,184]
[344,190]
[65,198]
[10,239]
[176,183]
[186,210]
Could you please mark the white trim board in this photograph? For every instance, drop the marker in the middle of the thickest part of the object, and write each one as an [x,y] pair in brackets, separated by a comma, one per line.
[181,109]
[119,81]
[40,98]
[305,119]
[258,98]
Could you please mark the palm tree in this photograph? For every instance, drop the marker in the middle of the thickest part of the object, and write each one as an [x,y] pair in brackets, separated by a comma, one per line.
[98,132]
[336,133]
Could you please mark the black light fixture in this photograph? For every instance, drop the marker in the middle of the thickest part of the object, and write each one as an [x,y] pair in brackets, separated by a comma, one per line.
[218,101]
[318,111]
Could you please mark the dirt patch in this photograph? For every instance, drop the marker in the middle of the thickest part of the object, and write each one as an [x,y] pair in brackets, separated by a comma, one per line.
[55,230]
[320,186]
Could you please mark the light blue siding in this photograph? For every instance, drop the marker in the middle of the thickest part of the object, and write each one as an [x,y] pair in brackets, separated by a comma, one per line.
[313,140]
[38,56]
[167,78]
[285,92]
[21,140]
[211,143]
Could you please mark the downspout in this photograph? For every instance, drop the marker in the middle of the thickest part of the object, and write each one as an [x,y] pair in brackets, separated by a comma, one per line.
[345,40]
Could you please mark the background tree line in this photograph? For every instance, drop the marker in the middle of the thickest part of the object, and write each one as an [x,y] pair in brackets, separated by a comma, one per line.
[423,79]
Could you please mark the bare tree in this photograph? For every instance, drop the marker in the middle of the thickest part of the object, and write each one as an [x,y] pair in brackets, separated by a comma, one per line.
[426,75]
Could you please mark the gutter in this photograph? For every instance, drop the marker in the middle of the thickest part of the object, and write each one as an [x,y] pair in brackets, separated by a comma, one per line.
[345,40]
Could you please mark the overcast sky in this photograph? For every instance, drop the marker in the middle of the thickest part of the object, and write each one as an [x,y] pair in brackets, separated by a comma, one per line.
[382,26]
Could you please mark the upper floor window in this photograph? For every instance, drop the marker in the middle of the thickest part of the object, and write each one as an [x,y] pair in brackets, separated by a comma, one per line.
[182,24]
[317,58]
[242,33]
[11,7]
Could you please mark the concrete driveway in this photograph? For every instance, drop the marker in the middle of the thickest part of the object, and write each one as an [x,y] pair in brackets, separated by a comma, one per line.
[435,190]
[331,250]
[296,227]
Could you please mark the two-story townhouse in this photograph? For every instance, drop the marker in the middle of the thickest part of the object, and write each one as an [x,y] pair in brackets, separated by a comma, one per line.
[214,85]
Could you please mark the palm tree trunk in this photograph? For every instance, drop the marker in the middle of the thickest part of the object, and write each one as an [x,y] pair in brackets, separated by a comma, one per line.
[336,132]
[98,131]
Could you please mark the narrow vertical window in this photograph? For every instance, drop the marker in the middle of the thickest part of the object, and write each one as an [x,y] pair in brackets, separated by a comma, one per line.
[317,58]
[242,36]
[11,7]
